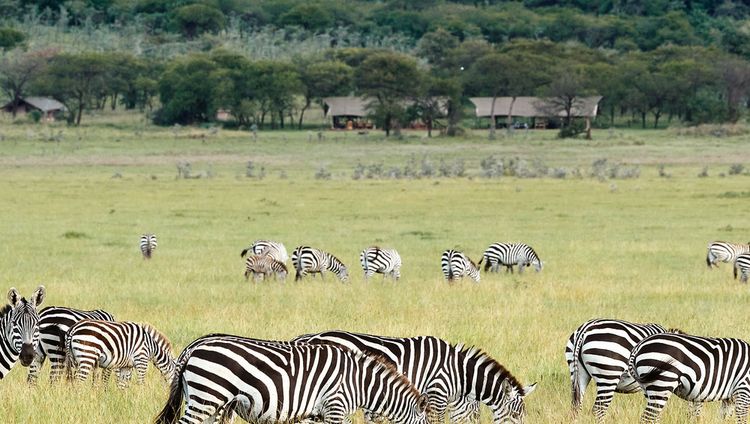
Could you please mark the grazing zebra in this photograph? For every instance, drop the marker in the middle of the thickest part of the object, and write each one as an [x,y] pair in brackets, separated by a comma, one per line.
[313,261]
[117,345]
[261,265]
[599,349]
[449,375]
[742,264]
[457,265]
[383,261]
[696,369]
[270,248]
[148,245]
[264,381]
[509,254]
[54,323]
[19,329]
[725,252]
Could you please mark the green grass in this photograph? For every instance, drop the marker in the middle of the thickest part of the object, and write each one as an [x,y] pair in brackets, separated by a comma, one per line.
[631,249]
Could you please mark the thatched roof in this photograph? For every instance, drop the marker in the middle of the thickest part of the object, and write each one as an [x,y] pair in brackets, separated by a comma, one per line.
[346,106]
[45,104]
[530,107]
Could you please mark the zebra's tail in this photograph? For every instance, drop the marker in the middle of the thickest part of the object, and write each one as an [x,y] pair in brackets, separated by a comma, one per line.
[298,269]
[172,409]
[480,261]
[735,270]
[575,388]
[244,252]
[69,366]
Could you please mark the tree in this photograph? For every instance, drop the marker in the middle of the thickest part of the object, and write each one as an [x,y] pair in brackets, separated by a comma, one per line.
[735,74]
[564,94]
[323,79]
[434,99]
[195,19]
[18,70]
[186,91]
[387,79]
[75,80]
[11,38]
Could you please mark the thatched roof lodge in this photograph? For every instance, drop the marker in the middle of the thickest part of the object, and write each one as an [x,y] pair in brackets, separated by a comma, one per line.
[47,106]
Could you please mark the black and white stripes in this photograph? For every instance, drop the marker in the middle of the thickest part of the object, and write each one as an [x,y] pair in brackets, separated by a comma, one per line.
[724,252]
[274,249]
[742,266]
[264,266]
[281,382]
[19,329]
[382,261]
[308,260]
[148,245]
[508,255]
[456,265]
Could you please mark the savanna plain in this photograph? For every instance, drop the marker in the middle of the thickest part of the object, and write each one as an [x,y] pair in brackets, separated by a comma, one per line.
[74,202]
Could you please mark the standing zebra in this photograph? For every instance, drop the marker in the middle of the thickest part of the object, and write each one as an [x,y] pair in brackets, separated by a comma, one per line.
[148,245]
[742,264]
[54,323]
[448,374]
[262,265]
[599,349]
[383,261]
[696,369]
[509,254]
[116,345]
[19,329]
[309,260]
[266,381]
[457,265]
[725,252]
[270,248]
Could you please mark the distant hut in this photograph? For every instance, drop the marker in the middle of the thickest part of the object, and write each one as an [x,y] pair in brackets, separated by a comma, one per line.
[537,109]
[48,107]
[347,112]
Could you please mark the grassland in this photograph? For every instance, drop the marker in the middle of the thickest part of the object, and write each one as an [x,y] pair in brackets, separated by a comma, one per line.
[72,212]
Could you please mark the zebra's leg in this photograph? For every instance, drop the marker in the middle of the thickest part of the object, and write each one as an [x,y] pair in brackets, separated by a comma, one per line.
[86,366]
[695,409]
[199,413]
[727,408]
[334,411]
[35,367]
[741,402]
[604,395]
[140,365]
[656,401]
[123,377]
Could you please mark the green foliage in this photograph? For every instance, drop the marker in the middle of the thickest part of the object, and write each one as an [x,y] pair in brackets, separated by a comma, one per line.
[195,19]
[186,91]
[11,38]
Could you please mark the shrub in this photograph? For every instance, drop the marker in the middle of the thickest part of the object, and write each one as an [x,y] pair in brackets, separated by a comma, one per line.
[736,169]
[322,174]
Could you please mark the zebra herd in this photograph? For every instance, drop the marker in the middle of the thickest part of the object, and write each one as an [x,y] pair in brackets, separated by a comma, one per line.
[735,253]
[268,258]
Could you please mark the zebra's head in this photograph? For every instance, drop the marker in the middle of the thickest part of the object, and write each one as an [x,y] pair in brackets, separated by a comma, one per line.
[511,409]
[343,274]
[24,323]
[537,264]
[161,352]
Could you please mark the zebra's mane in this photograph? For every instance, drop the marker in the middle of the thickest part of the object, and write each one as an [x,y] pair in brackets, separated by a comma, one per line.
[336,259]
[475,353]
[159,336]
[675,331]
[5,309]
[382,361]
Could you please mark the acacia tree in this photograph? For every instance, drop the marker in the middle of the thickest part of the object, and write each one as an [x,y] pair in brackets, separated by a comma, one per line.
[187,90]
[388,79]
[18,70]
[323,79]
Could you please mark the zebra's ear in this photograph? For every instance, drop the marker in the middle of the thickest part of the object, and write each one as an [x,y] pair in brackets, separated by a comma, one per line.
[423,402]
[38,297]
[528,389]
[506,387]
[13,296]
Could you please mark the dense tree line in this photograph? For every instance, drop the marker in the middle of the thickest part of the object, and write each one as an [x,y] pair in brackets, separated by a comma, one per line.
[651,60]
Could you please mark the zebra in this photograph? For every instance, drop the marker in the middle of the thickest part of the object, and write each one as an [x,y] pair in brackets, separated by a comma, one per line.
[19,329]
[261,265]
[742,264]
[457,265]
[508,255]
[117,345]
[148,245]
[450,375]
[309,260]
[383,261]
[599,349]
[273,249]
[265,381]
[725,252]
[696,369]
[54,323]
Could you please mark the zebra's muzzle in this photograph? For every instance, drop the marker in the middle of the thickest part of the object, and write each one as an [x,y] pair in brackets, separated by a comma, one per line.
[27,354]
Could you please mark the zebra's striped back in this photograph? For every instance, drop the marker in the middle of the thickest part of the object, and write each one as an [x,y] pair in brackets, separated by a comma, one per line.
[456,265]
[510,254]
[286,382]
[382,261]
[274,249]
[308,260]
[54,323]
[696,369]
[724,252]
[115,345]
[599,349]
[19,329]
[262,265]
[148,245]
[742,265]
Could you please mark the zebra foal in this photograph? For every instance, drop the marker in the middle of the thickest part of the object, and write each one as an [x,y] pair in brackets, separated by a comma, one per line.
[264,381]
[383,261]
[19,329]
[264,266]
[456,265]
[148,245]
[308,260]
[696,369]
[117,345]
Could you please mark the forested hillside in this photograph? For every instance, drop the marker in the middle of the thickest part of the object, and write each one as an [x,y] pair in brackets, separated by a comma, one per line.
[269,61]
